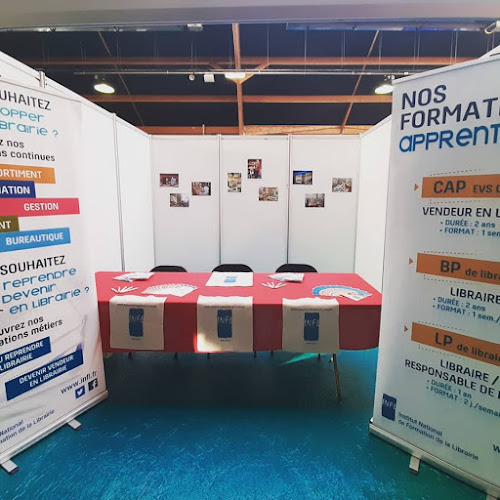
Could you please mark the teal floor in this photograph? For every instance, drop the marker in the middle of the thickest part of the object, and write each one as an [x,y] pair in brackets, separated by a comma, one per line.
[232,427]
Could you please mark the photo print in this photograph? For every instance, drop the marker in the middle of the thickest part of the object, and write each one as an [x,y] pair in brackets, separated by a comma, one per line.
[234,182]
[341,185]
[201,188]
[268,194]
[169,180]
[315,200]
[179,200]
[302,177]
[255,169]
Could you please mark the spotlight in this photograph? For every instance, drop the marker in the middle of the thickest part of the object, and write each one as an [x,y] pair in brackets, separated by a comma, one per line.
[102,86]
[195,27]
[385,87]
[235,75]
[191,77]
[492,28]
[209,78]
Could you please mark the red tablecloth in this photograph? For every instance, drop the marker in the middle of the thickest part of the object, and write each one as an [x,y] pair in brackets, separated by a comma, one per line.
[359,322]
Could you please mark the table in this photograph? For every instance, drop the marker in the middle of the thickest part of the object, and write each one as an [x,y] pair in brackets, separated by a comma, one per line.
[359,322]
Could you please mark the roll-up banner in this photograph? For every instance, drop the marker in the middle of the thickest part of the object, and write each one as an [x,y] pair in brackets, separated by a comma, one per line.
[50,352]
[438,381]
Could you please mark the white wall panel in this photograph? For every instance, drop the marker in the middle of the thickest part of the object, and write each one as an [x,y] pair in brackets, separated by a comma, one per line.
[324,237]
[372,206]
[136,196]
[98,188]
[186,236]
[254,232]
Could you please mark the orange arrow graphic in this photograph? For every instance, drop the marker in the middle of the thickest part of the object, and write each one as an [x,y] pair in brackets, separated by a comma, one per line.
[406,328]
[410,261]
[415,187]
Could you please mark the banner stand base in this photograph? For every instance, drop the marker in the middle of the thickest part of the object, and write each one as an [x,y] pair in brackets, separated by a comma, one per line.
[492,491]
[10,467]
[5,458]
[414,465]
[75,425]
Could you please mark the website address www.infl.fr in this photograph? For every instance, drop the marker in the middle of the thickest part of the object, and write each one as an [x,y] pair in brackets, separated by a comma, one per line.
[79,382]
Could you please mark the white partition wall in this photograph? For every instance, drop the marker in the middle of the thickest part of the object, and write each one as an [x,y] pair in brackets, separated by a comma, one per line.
[186,235]
[324,237]
[254,232]
[134,158]
[372,205]
[98,181]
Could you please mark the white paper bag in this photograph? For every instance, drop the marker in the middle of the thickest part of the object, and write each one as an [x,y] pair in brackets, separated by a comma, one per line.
[136,323]
[225,324]
[310,325]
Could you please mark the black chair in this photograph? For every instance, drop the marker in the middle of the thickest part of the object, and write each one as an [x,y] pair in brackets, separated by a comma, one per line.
[233,268]
[296,268]
[168,269]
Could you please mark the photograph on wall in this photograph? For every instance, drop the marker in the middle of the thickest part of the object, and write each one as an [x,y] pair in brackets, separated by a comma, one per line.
[315,200]
[201,188]
[234,182]
[302,177]
[341,185]
[179,200]
[169,180]
[268,194]
[255,169]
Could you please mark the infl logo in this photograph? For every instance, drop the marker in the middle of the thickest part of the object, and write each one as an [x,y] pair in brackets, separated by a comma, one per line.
[224,324]
[389,407]
[311,327]
[136,322]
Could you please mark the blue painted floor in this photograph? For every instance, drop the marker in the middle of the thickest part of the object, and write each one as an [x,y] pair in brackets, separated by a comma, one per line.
[232,427]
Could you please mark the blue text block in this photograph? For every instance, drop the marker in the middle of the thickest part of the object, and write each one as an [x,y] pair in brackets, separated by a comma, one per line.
[22,240]
[46,373]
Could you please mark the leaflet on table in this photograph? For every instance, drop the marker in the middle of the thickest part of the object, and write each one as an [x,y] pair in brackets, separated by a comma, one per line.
[176,289]
[341,291]
[133,277]
[294,277]
[230,279]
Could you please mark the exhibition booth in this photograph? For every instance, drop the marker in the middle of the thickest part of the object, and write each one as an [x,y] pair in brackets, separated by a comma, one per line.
[118,201]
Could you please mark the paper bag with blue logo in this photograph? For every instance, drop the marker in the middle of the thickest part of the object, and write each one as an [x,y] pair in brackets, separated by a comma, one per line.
[225,324]
[310,325]
[136,323]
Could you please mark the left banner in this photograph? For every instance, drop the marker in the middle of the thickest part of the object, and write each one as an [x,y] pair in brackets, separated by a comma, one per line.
[51,365]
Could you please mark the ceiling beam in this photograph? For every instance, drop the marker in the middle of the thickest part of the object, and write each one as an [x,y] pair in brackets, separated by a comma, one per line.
[239,85]
[259,130]
[356,86]
[249,61]
[201,130]
[253,99]
[125,86]
[305,129]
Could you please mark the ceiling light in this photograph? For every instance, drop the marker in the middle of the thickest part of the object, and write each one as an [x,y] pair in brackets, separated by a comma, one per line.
[191,77]
[209,78]
[195,27]
[102,86]
[385,87]
[492,28]
[235,75]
